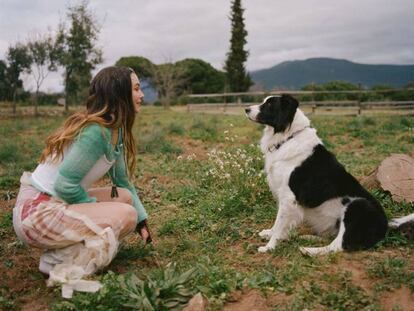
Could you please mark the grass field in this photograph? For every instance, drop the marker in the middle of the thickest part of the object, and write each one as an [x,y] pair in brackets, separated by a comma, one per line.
[200,178]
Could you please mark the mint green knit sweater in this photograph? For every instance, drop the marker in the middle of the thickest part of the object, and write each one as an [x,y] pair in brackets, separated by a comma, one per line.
[91,144]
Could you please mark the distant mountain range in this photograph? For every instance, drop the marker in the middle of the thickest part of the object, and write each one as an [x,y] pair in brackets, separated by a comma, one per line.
[296,74]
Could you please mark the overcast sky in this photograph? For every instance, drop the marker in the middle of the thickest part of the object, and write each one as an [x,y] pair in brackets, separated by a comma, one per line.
[364,31]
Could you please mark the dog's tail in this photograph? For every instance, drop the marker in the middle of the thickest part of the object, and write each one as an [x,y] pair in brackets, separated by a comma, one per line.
[404,224]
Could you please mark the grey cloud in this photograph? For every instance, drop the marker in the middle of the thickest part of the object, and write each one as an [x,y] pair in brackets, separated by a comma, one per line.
[369,31]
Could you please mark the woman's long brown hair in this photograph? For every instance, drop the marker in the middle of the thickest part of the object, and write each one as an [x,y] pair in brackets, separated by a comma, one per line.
[109,104]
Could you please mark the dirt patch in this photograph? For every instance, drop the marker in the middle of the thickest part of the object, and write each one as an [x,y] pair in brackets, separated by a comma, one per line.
[402,297]
[34,306]
[253,299]
[20,277]
[358,273]
[191,147]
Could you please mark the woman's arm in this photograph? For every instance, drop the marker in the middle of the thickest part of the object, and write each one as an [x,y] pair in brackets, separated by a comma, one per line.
[120,178]
[86,150]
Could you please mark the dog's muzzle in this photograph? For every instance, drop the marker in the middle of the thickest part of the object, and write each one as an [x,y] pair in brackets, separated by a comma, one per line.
[251,113]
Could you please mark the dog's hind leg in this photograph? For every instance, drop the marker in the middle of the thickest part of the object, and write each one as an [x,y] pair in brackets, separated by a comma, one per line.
[335,246]
[288,217]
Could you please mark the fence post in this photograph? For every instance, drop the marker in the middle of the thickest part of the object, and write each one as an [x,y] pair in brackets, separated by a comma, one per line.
[359,99]
[313,98]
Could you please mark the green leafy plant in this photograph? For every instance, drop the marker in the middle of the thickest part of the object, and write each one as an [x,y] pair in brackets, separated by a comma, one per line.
[393,273]
[170,292]
[167,289]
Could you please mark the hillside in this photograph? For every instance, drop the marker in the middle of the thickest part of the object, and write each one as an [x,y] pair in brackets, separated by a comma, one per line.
[296,74]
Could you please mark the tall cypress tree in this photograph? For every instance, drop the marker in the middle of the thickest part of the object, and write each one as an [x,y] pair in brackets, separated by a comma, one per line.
[237,78]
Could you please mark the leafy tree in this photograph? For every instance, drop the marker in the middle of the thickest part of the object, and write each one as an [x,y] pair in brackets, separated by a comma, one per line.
[169,80]
[409,85]
[141,65]
[237,78]
[166,78]
[174,79]
[77,51]
[200,77]
[42,50]
[19,61]
[3,82]
[407,94]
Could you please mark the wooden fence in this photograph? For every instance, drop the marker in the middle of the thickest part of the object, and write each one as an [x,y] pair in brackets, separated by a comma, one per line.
[351,107]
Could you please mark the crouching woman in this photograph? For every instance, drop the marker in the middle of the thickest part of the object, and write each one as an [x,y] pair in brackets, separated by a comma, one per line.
[80,227]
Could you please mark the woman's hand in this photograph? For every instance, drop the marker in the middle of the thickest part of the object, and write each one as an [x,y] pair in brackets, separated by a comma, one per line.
[144,232]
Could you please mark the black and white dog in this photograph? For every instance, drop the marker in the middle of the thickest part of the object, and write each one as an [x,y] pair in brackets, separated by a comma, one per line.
[311,185]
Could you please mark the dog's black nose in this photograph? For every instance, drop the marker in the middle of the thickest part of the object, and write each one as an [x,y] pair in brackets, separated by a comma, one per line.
[247,110]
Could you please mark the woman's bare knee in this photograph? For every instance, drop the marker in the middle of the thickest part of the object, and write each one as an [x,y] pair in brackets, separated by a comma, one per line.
[104,195]
[125,196]
[128,216]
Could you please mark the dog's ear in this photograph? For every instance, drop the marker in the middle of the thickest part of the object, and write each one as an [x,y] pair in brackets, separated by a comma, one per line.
[284,118]
[287,99]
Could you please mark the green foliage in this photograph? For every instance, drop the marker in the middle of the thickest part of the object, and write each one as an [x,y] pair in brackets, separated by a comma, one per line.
[173,80]
[43,51]
[141,65]
[230,184]
[281,280]
[177,129]
[205,130]
[76,50]
[214,281]
[215,204]
[200,77]
[393,272]
[6,221]
[8,153]
[339,294]
[127,253]
[4,85]
[154,142]
[18,62]
[237,78]
[392,208]
[382,92]
[5,303]
[163,290]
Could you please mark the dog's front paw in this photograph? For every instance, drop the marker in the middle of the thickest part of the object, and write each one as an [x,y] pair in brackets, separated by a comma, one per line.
[264,249]
[266,234]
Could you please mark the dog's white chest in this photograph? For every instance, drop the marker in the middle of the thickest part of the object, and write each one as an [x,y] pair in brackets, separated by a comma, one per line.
[278,173]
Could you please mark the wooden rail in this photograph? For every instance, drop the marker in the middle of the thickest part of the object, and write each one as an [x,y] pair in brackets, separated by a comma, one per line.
[346,107]
[298,92]
[310,106]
